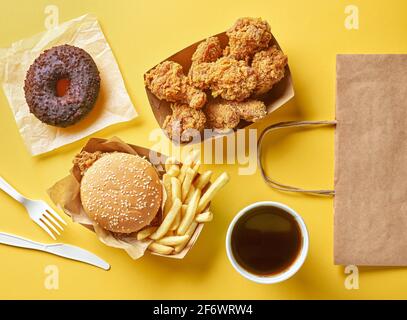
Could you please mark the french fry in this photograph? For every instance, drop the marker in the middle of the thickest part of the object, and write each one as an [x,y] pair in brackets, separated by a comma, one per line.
[186,185]
[168,220]
[192,157]
[189,195]
[176,222]
[175,189]
[169,162]
[142,234]
[204,217]
[167,187]
[189,233]
[172,167]
[203,180]
[173,171]
[176,193]
[212,190]
[160,248]
[172,240]
[189,160]
[196,166]
[182,171]
[190,213]
[183,210]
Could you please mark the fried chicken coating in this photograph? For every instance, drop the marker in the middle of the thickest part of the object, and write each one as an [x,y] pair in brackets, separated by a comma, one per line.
[194,97]
[247,36]
[221,115]
[227,77]
[251,110]
[207,51]
[231,79]
[184,123]
[168,82]
[269,66]
[201,75]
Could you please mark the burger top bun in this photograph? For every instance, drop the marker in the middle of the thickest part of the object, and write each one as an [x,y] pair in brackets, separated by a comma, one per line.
[121,192]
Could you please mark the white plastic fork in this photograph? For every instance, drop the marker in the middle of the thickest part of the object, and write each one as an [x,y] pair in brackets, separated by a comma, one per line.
[40,212]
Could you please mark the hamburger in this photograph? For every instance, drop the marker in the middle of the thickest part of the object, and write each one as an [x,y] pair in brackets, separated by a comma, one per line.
[120,192]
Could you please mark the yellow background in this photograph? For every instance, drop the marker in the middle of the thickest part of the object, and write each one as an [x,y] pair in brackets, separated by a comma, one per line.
[142,33]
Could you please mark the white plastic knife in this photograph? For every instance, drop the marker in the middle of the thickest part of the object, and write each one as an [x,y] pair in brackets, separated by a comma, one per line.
[59,249]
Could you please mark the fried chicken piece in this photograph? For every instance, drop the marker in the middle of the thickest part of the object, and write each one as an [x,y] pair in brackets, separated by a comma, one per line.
[227,77]
[85,159]
[207,51]
[168,82]
[269,66]
[194,97]
[231,79]
[184,123]
[221,115]
[201,75]
[247,36]
[251,110]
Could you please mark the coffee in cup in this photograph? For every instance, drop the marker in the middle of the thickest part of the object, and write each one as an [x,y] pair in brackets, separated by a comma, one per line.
[267,242]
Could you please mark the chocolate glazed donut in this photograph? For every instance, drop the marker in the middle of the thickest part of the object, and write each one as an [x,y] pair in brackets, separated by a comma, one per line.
[62,62]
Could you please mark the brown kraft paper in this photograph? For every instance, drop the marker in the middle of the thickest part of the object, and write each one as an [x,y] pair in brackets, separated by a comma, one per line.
[371,161]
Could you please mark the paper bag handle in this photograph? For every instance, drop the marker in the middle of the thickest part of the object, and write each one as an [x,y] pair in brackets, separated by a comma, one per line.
[289,124]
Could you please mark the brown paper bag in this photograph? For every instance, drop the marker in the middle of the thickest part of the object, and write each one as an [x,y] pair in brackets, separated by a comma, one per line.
[66,195]
[371,160]
[370,220]
[280,94]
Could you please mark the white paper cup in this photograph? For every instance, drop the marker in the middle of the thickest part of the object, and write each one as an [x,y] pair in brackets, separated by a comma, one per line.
[293,268]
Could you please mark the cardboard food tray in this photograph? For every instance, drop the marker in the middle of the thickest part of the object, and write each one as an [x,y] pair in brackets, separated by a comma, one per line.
[280,94]
[66,195]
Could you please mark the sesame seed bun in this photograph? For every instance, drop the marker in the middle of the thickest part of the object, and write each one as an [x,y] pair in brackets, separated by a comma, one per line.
[121,192]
